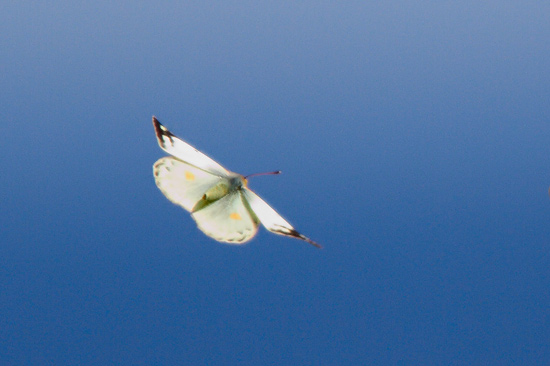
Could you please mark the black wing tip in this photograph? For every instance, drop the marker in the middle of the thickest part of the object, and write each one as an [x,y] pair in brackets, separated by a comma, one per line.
[316,245]
[156,123]
[158,127]
[293,233]
[161,132]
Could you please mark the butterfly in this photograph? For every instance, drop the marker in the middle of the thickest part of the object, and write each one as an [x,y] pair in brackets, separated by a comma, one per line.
[219,201]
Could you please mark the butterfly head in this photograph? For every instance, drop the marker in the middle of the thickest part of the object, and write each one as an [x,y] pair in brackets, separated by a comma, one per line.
[237,182]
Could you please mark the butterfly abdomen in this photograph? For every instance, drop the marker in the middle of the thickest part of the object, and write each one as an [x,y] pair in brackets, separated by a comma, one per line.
[218,191]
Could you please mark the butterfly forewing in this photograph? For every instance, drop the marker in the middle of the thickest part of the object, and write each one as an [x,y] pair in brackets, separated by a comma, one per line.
[270,219]
[228,219]
[182,183]
[175,146]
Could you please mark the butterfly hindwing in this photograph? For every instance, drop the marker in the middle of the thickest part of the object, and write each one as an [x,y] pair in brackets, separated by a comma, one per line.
[175,146]
[228,219]
[182,183]
[270,219]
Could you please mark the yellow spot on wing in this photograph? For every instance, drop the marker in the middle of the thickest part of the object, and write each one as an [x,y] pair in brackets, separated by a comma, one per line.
[189,176]
[235,216]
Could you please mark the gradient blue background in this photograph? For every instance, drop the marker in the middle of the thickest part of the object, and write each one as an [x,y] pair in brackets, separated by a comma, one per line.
[414,139]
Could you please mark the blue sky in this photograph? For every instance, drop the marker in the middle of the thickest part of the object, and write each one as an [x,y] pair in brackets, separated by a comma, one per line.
[414,144]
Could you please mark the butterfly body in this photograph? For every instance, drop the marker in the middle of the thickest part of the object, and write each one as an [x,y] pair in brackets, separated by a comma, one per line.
[219,201]
[225,187]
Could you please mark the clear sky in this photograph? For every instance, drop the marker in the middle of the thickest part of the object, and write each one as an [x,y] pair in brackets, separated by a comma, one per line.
[414,140]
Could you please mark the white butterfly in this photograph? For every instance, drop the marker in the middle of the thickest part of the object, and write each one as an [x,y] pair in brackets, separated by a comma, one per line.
[219,200]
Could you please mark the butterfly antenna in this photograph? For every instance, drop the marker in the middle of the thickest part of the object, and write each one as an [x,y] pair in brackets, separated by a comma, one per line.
[266,173]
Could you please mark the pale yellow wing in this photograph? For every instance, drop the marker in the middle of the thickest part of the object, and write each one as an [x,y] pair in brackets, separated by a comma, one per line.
[228,219]
[182,183]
